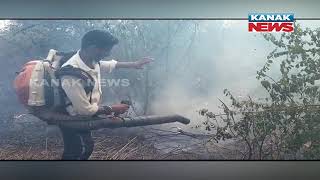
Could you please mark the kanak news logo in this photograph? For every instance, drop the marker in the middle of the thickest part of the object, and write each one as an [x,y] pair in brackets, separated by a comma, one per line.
[271,22]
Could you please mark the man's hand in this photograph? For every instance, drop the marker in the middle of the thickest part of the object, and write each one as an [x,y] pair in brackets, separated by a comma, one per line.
[140,63]
[119,108]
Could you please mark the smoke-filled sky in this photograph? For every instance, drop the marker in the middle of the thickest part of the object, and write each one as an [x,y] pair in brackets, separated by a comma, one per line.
[226,56]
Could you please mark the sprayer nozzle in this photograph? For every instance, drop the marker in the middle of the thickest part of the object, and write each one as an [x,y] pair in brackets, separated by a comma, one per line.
[182,119]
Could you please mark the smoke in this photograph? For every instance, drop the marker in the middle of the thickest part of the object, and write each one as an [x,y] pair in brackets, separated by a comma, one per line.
[226,56]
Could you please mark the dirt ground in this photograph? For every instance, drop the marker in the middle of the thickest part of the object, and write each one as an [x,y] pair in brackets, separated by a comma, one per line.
[26,138]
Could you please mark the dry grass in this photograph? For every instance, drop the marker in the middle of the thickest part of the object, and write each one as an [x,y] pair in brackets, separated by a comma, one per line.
[29,140]
[24,146]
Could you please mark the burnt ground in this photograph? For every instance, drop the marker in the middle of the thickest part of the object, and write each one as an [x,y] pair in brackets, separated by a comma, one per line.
[26,138]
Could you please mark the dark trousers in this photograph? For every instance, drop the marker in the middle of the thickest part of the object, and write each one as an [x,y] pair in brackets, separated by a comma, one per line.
[78,144]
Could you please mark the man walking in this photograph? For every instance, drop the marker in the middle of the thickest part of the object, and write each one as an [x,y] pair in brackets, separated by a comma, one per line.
[95,45]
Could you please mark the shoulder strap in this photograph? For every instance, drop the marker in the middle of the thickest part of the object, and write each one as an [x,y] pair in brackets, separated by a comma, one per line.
[78,73]
[65,56]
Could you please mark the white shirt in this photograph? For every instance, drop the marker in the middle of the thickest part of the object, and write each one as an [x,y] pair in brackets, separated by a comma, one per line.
[76,94]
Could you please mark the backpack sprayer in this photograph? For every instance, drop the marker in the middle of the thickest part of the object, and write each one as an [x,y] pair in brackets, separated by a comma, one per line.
[42,101]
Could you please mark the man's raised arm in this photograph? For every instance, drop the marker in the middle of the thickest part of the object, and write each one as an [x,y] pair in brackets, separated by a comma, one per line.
[137,64]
